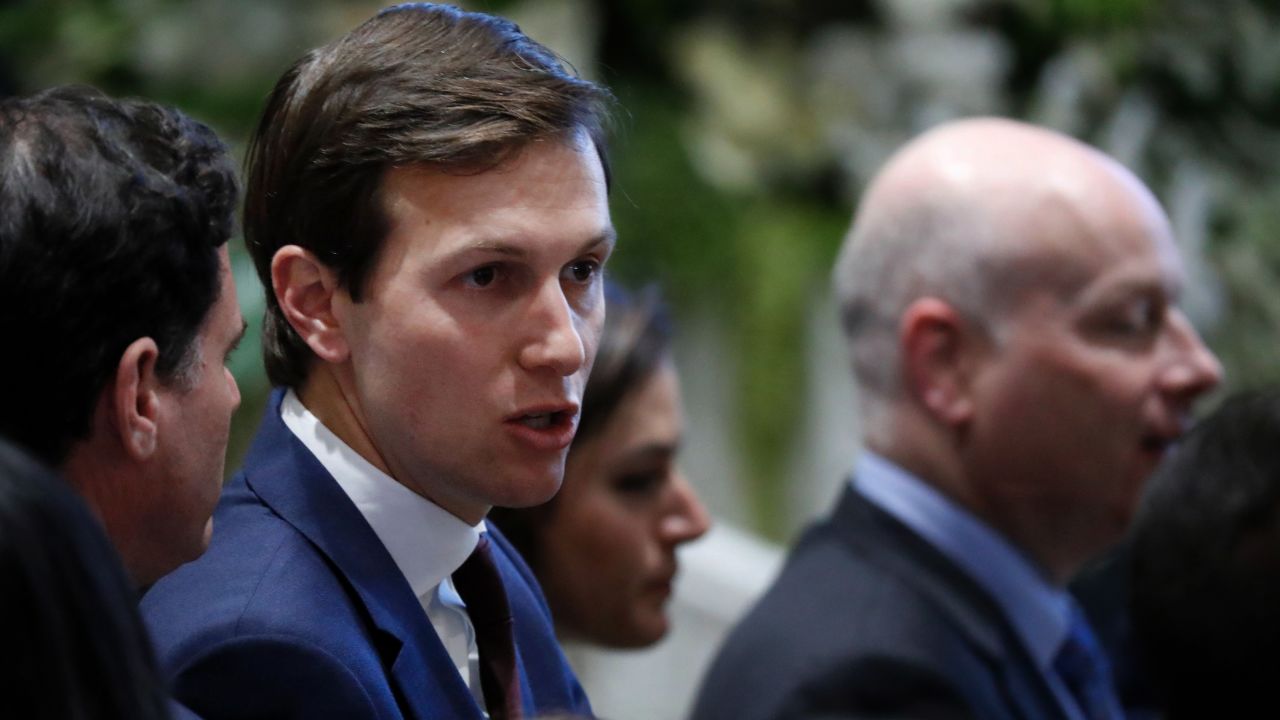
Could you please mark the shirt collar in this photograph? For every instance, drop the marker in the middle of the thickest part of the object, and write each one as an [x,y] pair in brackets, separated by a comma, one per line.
[425,541]
[1040,612]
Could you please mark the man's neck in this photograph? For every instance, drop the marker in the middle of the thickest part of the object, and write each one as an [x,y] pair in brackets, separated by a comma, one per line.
[931,459]
[325,396]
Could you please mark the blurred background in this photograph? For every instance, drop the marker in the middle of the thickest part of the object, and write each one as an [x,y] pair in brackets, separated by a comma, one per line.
[746,130]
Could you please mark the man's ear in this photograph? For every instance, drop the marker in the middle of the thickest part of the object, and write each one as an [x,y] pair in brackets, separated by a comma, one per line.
[135,399]
[305,289]
[937,345]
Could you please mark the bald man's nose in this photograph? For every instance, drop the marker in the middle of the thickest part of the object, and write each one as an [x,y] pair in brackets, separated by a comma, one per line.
[1195,370]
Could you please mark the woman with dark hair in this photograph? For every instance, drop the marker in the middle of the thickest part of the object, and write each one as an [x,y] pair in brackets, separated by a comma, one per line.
[75,647]
[604,547]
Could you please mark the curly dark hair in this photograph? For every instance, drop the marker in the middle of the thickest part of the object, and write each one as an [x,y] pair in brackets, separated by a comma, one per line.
[111,216]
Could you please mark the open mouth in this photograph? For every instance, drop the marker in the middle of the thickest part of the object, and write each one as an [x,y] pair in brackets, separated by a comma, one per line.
[546,427]
[542,421]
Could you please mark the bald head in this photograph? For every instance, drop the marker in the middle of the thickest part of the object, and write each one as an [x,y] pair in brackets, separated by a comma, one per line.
[1010,296]
[975,212]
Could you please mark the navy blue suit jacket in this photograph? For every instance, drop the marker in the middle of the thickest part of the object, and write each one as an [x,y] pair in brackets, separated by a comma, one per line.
[868,620]
[298,611]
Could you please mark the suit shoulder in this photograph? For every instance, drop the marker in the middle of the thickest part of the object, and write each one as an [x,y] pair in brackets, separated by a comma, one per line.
[838,628]
[830,600]
[278,676]
[258,575]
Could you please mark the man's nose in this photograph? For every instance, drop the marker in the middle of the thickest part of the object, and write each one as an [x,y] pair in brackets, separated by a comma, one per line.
[1196,370]
[554,340]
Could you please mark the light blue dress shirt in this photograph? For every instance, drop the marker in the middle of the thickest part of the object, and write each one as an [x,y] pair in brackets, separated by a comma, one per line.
[1039,611]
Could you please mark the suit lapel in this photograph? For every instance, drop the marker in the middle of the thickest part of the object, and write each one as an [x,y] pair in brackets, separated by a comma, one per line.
[881,538]
[293,483]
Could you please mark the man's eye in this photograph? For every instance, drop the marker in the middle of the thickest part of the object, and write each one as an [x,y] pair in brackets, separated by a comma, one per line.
[482,277]
[583,270]
[1142,316]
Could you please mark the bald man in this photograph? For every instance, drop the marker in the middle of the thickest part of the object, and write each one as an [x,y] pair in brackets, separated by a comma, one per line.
[1010,299]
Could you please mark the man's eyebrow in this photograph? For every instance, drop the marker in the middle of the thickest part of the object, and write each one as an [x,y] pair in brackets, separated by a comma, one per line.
[1133,285]
[498,246]
[609,237]
[1129,286]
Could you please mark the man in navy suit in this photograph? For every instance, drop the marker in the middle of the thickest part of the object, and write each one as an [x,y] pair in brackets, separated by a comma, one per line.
[1010,299]
[427,205]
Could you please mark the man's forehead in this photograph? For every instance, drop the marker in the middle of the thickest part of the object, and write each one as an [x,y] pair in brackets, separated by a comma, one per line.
[551,196]
[1101,217]
[507,179]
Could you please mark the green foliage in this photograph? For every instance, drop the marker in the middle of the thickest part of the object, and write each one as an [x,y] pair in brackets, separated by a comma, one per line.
[1248,340]
[89,39]
[782,254]
[1085,15]
[757,259]
[673,227]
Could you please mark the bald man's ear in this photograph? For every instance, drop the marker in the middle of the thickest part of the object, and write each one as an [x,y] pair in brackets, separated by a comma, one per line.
[133,399]
[305,288]
[937,345]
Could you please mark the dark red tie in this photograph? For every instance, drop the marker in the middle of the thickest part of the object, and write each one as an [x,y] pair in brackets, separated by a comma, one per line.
[480,587]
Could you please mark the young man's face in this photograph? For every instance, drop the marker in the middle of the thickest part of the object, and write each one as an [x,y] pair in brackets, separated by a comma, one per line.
[472,342]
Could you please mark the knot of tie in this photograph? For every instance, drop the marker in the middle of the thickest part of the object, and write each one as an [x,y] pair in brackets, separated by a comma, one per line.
[480,586]
[1083,666]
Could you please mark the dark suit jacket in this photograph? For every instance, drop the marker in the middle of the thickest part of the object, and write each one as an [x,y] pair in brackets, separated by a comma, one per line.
[298,611]
[178,711]
[867,620]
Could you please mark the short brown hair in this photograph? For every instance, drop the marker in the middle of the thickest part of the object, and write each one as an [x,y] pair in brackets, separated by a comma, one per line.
[417,84]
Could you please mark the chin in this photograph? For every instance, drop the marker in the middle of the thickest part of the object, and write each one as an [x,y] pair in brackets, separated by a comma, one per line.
[610,631]
[647,627]
[527,493]
[646,634]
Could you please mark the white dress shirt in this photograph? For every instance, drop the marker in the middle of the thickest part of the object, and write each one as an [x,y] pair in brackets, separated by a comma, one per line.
[426,541]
